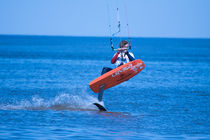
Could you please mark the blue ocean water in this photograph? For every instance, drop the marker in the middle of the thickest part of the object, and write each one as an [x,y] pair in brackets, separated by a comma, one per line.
[44,92]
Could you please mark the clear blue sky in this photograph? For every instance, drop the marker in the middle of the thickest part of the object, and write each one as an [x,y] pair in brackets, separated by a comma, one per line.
[146,18]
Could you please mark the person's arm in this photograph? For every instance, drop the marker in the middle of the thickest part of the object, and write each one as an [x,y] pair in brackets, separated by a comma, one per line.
[130,57]
[114,59]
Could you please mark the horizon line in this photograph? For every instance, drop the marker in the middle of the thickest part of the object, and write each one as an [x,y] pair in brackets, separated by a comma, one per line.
[104,36]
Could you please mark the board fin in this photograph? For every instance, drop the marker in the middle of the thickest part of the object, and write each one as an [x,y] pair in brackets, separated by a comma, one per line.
[100,107]
[100,95]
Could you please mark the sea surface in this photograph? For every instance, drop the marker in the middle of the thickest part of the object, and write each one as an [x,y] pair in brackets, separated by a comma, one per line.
[44,92]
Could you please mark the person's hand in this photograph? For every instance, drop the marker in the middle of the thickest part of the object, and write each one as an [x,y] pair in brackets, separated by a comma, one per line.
[120,49]
[126,51]
[123,49]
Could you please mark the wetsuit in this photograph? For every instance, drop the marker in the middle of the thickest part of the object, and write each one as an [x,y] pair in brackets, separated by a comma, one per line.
[121,58]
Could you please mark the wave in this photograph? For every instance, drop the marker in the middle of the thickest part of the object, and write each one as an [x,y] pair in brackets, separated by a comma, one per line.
[59,102]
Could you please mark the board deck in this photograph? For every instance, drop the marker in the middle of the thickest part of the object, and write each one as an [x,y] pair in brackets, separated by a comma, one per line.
[117,75]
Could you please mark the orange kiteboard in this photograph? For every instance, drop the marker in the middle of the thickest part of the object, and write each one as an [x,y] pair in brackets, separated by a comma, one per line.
[117,75]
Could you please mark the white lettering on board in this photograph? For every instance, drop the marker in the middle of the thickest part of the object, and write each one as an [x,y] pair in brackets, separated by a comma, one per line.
[130,66]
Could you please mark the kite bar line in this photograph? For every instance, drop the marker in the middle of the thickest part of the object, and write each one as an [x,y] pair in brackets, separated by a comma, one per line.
[110,27]
[119,27]
[118,31]
[126,16]
[118,19]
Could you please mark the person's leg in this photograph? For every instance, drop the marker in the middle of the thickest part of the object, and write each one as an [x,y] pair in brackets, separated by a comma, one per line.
[105,70]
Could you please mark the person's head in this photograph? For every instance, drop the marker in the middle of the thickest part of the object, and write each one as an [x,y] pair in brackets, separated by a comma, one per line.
[123,44]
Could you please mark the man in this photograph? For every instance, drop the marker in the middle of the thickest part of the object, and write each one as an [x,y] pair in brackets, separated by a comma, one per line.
[122,56]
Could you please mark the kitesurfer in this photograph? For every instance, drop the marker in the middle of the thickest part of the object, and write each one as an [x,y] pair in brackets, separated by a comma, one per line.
[122,56]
